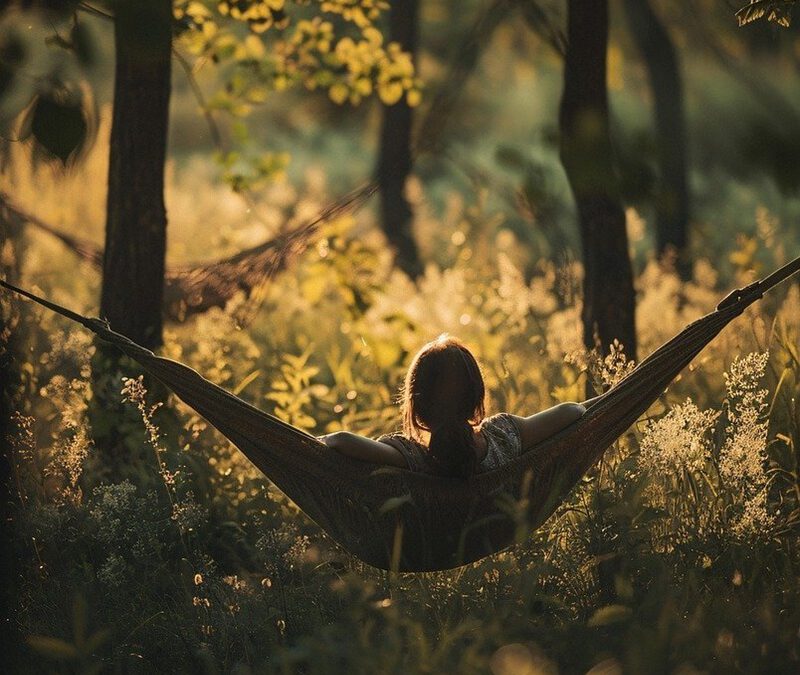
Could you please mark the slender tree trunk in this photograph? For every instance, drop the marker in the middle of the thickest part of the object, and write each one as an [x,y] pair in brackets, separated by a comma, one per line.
[586,152]
[134,258]
[395,161]
[672,198]
[136,221]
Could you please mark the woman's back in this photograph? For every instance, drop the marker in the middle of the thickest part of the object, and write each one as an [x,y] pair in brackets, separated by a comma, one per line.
[502,443]
[443,403]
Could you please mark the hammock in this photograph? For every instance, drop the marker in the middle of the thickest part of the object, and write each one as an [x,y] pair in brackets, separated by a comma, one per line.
[413,522]
[196,288]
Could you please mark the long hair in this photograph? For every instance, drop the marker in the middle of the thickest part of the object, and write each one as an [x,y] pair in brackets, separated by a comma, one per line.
[444,395]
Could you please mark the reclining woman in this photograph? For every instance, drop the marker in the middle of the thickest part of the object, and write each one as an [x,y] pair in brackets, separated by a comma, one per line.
[444,428]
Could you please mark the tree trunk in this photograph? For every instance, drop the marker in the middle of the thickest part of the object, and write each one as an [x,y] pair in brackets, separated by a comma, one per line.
[135,249]
[395,161]
[608,294]
[672,197]
[136,221]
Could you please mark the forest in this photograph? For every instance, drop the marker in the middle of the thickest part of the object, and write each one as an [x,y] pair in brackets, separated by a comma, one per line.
[599,198]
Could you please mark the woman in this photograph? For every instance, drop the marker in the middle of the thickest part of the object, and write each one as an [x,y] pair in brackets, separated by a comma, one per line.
[444,430]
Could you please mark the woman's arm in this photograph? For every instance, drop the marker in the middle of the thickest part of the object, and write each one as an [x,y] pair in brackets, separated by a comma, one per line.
[365,449]
[543,425]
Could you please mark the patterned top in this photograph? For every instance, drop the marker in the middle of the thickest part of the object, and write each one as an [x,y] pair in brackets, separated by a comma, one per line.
[503,443]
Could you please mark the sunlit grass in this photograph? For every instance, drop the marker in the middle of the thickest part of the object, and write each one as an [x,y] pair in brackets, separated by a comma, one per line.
[675,528]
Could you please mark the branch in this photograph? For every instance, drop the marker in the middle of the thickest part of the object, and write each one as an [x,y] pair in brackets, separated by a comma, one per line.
[213,128]
[540,23]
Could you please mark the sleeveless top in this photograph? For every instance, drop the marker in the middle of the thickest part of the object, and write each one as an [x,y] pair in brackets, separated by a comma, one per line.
[503,443]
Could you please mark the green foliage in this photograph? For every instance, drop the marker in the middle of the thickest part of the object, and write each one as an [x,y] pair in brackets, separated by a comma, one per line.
[81,649]
[665,557]
[315,52]
[244,171]
[266,46]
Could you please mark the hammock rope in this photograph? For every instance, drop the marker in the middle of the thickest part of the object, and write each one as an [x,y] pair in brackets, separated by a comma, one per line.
[413,522]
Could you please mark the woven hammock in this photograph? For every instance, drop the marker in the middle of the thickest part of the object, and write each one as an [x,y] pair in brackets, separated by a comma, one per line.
[413,522]
[195,288]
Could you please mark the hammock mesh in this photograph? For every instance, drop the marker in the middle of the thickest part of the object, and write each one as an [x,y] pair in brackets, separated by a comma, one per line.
[196,288]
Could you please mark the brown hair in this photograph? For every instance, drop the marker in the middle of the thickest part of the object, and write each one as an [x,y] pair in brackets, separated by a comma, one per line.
[444,394]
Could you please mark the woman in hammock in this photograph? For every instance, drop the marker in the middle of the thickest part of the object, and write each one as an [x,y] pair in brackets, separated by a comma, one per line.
[443,404]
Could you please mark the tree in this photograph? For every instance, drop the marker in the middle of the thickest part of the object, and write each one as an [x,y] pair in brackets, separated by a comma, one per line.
[132,288]
[260,47]
[395,155]
[672,195]
[586,153]
[136,222]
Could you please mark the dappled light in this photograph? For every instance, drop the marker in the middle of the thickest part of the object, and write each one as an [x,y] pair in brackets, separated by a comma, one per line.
[343,183]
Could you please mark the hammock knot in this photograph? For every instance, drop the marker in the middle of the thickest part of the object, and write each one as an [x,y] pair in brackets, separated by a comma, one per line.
[98,325]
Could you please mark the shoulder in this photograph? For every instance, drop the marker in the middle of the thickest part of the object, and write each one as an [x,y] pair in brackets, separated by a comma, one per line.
[501,423]
[413,452]
[502,434]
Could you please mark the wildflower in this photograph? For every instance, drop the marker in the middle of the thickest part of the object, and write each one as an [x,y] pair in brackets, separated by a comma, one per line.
[743,456]
[113,571]
[678,441]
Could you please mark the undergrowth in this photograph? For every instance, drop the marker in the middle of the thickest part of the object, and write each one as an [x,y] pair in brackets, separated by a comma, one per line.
[677,553]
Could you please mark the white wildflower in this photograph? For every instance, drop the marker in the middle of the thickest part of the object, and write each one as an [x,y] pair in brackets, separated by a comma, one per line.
[678,441]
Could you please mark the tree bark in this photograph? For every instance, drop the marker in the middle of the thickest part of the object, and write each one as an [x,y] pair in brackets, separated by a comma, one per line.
[586,153]
[136,221]
[661,61]
[395,160]
[135,249]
